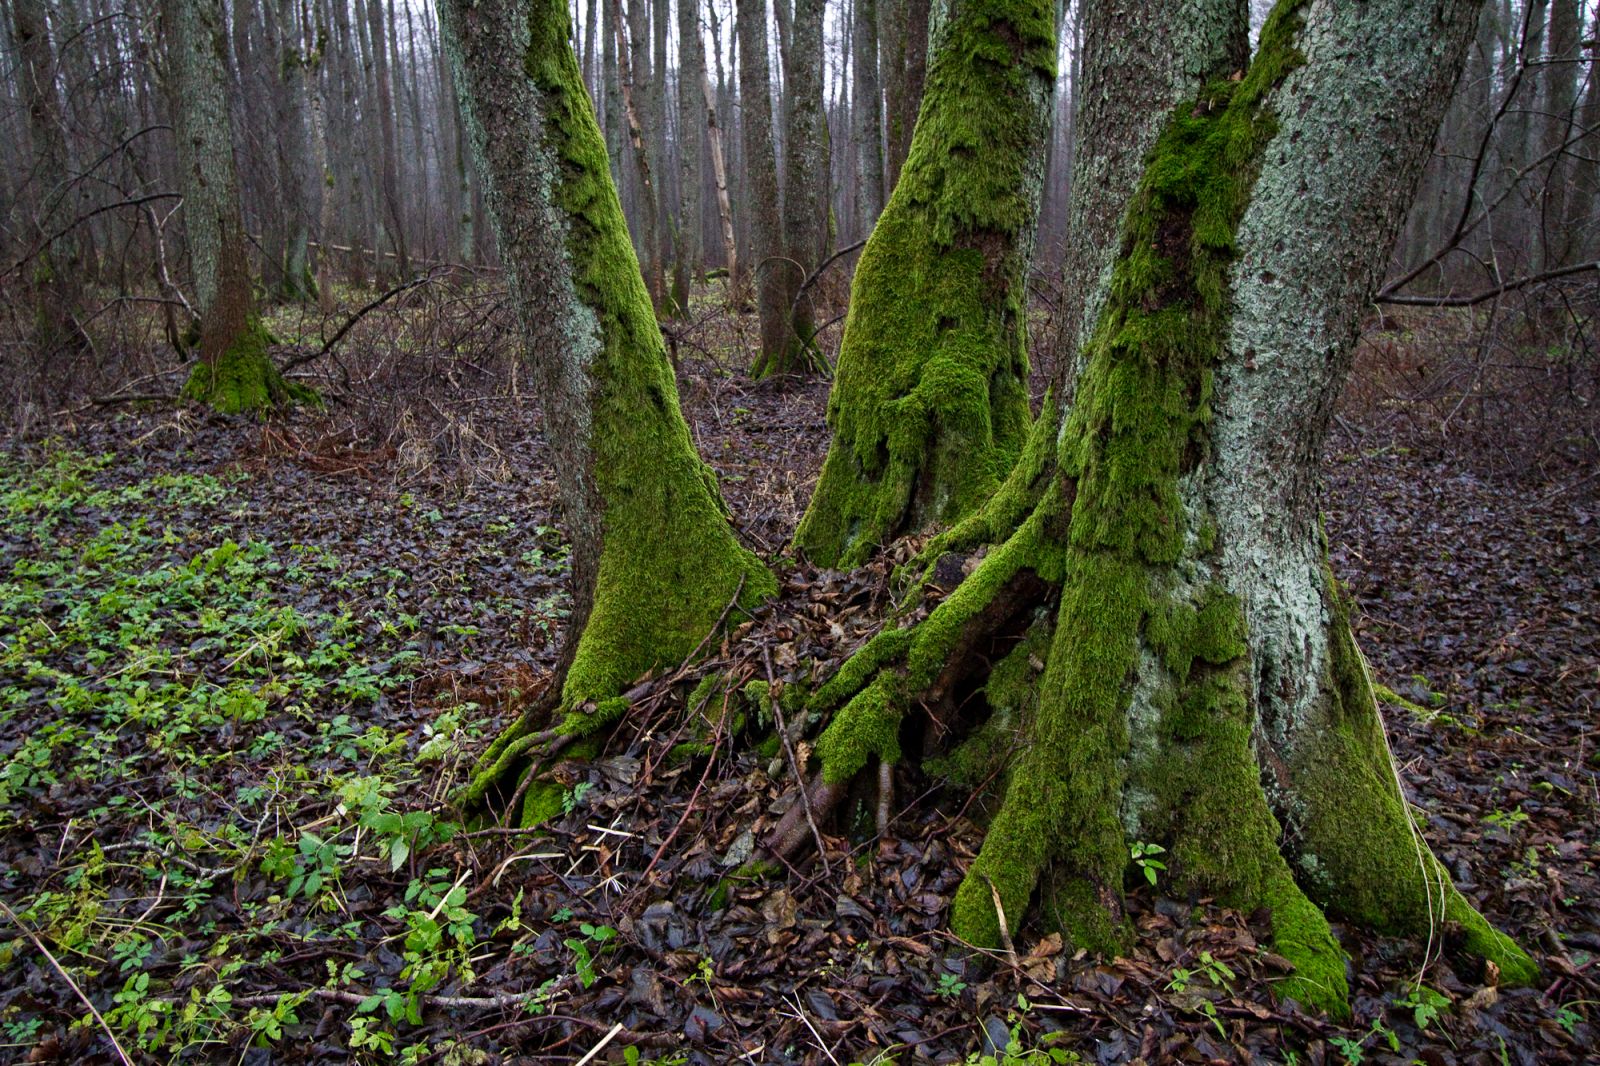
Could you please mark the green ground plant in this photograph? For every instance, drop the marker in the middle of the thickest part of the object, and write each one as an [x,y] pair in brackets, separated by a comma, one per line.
[214,693]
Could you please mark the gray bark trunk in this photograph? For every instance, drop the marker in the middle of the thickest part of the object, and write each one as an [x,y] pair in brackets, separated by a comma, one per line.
[805,187]
[761,169]
[689,265]
[630,53]
[868,104]
[904,42]
[56,268]
[389,163]
[291,150]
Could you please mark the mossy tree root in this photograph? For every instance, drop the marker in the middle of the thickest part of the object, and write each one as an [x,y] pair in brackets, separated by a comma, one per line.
[1066,796]
[243,379]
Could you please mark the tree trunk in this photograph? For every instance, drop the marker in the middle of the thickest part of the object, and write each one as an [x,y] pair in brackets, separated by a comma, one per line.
[1196,684]
[930,408]
[633,53]
[613,95]
[1559,222]
[761,169]
[689,264]
[654,559]
[719,172]
[314,47]
[805,192]
[55,270]
[389,162]
[905,46]
[296,283]
[234,373]
[868,126]
[1585,202]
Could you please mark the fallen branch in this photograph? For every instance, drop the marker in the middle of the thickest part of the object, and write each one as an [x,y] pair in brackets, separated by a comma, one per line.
[794,763]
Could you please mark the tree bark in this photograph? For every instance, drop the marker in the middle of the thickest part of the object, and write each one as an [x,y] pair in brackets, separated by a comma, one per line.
[1194,682]
[291,149]
[314,48]
[654,559]
[905,44]
[235,373]
[389,162]
[1559,220]
[929,409]
[761,170]
[719,172]
[633,54]
[805,192]
[868,126]
[55,270]
[689,265]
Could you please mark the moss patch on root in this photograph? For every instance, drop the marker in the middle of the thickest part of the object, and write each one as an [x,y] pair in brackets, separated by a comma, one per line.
[1355,840]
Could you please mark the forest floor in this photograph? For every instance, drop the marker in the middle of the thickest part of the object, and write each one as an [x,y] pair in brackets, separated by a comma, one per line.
[243,666]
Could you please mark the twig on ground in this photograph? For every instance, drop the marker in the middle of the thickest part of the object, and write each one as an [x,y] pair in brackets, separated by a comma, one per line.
[31,935]
[794,764]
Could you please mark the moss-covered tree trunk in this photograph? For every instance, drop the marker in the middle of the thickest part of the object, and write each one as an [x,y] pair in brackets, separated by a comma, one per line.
[654,559]
[234,372]
[1186,673]
[930,407]
[1125,92]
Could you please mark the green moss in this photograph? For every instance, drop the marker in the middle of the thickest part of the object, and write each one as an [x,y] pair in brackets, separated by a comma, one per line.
[929,410]
[868,726]
[1209,806]
[1138,423]
[1062,799]
[705,690]
[1008,506]
[752,872]
[688,751]
[544,802]
[885,647]
[1300,934]
[670,562]
[897,662]
[243,379]
[1353,830]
